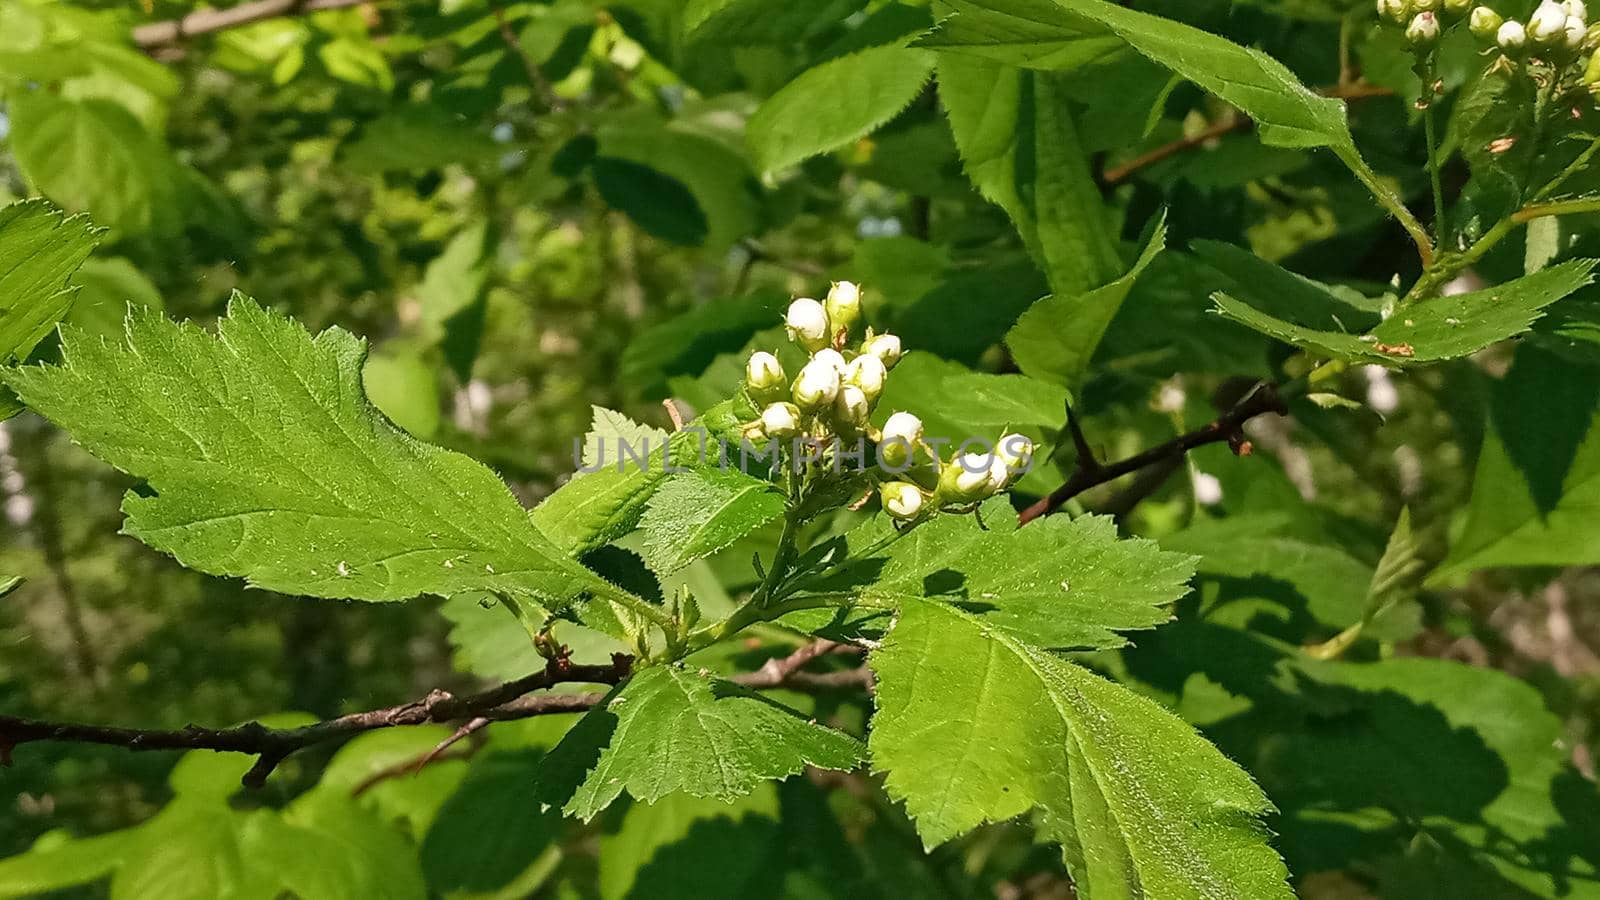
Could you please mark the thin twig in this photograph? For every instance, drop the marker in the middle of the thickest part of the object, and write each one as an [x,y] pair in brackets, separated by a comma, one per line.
[272,745]
[511,700]
[1089,473]
[1233,122]
[205,21]
[541,85]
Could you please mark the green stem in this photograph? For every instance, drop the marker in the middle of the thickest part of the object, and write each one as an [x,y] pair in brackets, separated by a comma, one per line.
[1434,180]
[1577,165]
[1389,199]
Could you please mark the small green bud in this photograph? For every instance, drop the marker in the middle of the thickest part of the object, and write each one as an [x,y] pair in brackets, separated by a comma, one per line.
[1512,37]
[851,407]
[868,373]
[807,323]
[886,347]
[1591,74]
[1484,23]
[1455,9]
[764,378]
[780,420]
[844,304]
[966,478]
[1548,24]
[817,385]
[899,440]
[1394,11]
[901,499]
[1423,30]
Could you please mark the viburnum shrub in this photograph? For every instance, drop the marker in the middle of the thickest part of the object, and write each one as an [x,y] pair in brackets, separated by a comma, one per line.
[1191,493]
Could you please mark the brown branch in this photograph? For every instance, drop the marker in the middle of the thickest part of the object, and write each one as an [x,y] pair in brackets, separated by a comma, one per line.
[272,745]
[511,700]
[541,85]
[1089,472]
[205,21]
[1233,122]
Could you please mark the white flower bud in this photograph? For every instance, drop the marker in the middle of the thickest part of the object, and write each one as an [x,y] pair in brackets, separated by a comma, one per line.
[1484,22]
[1575,33]
[999,475]
[1393,10]
[832,357]
[885,347]
[901,499]
[901,434]
[852,407]
[1576,9]
[844,304]
[1016,450]
[1549,23]
[817,385]
[764,377]
[868,373]
[1423,30]
[780,420]
[807,322]
[965,479]
[1511,37]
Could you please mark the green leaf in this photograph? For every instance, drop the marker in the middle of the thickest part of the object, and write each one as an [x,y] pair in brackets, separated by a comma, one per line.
[1000,400]
[264,461]
[692,848]
[40,249]
[655,201]
[1333,583]
[418,137]
[1044,34]
[612,436]
[1538,478]
[1059,582]
[404,387]
[57,861]
[106,288]
[93,156]
[715,174]
[746,22]
[1020,146]
[454,280]
[835,103]
[596,508]
[974,725]
[324,845]
[189,851]
[667,731]
[1429,330]
[1492,124]
[1494,787]
[687,343]
[695,514]
[491,828]
[1057,337]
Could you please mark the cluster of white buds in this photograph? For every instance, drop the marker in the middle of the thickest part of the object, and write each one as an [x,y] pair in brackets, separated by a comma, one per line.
[962,482]
[1557,37]
[1561,28]
[1423,21]
[834,395]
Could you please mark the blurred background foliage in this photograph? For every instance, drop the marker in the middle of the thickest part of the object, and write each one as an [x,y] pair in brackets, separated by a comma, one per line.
[533,208]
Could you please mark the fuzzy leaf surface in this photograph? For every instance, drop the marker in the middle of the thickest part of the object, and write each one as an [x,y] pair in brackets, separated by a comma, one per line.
[266,462]
[974,725]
